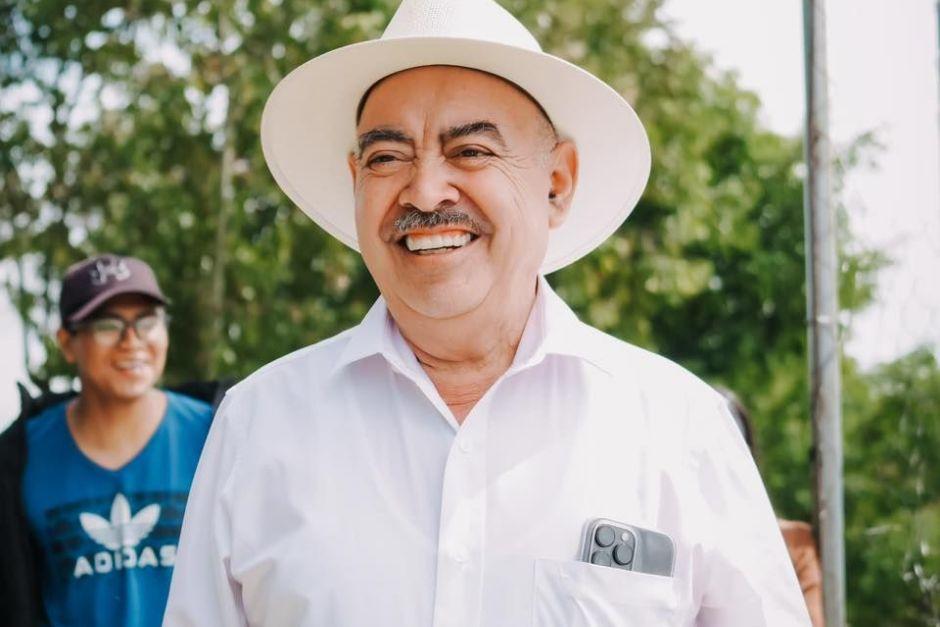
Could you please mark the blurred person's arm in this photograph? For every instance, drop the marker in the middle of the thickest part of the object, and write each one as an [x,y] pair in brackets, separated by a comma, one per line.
[203,591]
[802,547]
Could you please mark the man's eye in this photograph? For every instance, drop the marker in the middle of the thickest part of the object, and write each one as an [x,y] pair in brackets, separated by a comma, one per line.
[472,153]
[381,159]
[148,323]
[106,326]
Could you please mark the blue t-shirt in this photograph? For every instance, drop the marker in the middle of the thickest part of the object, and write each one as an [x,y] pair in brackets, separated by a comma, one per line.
[108,537]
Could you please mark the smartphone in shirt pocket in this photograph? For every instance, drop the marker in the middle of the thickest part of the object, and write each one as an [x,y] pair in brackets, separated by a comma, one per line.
[628,547]
[591,593]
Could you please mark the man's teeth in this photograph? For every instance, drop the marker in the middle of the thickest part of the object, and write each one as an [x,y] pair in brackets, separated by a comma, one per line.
[430,242]
[130,365]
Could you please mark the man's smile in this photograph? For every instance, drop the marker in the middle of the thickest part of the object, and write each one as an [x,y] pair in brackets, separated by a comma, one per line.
[435,241]
[132,365]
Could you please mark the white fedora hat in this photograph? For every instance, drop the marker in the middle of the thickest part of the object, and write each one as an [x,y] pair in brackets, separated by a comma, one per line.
[308,124]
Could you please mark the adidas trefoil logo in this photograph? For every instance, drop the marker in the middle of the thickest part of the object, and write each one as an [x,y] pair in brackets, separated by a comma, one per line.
[121,535]
[123,529]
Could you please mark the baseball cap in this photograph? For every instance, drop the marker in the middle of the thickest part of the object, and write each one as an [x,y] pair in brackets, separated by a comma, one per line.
[89,283]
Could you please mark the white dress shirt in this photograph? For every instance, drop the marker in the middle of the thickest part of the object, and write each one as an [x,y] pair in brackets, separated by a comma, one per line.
[337,490]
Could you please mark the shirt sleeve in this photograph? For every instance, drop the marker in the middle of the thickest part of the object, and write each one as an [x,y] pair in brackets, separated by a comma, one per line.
[202,592]
[747,579]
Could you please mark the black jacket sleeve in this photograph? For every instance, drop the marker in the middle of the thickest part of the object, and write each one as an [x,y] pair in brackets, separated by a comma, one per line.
[20,600]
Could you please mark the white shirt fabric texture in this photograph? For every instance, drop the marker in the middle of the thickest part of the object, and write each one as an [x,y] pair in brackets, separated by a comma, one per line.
[337,490]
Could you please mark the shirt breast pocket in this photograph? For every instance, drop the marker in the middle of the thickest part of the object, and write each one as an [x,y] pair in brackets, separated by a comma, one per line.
[577,594]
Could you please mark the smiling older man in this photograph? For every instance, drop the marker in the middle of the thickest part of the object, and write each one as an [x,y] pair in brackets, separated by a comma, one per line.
[471,453]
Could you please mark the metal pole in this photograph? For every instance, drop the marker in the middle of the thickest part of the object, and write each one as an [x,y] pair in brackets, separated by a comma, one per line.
[226,207]
[823,318]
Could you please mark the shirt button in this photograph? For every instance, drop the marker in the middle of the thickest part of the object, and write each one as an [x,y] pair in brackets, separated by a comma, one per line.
[460,556]
[465,446]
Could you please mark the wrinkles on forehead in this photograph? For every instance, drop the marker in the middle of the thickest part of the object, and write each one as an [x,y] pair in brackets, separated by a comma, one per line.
[467,129]
[546,127]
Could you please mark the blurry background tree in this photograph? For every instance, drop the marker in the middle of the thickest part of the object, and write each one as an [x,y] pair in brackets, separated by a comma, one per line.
[133,128]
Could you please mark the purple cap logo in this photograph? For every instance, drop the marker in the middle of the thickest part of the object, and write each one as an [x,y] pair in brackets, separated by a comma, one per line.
[107,269]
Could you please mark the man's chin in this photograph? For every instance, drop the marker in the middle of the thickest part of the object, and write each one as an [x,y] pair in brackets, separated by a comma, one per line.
[132,391]
[444,300]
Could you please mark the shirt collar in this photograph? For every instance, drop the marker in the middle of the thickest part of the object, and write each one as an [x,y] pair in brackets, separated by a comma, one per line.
[372,336]
[552,329]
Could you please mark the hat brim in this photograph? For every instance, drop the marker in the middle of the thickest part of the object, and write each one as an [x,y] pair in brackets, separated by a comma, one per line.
[89,308]
[308,129]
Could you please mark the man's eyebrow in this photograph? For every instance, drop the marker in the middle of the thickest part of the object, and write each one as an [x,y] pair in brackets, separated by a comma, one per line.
[382,135]
[479,127]
[110,313]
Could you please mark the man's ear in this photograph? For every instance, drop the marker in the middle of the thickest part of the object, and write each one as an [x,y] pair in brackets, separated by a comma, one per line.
[64,340]
[351,161]
[564,179]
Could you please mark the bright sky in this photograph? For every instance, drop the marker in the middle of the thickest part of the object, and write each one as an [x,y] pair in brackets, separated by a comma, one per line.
[11,365]
[883,77]
[883,73]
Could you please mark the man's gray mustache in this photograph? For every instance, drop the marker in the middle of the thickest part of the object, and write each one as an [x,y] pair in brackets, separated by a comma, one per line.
[416,219]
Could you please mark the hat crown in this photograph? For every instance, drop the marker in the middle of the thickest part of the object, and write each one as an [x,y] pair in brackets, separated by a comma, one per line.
[89,283]
[466,19]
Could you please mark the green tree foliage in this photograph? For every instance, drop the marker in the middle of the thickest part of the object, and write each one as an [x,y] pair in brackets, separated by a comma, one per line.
[892,488]
[133,128]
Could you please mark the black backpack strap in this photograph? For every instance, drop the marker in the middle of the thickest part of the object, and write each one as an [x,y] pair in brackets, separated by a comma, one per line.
[20,597]
[211,392]
[26,400]
[33,405]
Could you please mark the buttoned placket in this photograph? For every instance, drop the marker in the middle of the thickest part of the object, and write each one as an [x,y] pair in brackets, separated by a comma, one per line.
[460,551]
[459,576]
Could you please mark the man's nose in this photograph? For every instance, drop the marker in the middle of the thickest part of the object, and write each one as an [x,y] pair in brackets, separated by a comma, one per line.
[130,336]
[430,187]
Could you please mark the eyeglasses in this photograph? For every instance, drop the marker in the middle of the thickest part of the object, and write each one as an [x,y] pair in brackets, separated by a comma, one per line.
[110,330]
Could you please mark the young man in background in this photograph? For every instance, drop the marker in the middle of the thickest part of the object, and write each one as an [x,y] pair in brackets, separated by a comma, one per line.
[93,486]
